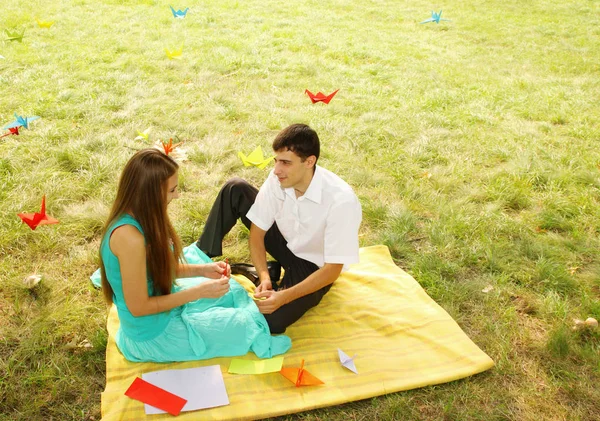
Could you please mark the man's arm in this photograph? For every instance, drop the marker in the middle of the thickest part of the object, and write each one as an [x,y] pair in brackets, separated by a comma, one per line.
[317,280]
[258,254]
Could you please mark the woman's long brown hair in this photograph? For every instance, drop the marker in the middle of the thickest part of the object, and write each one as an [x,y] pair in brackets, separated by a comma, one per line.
[142,192]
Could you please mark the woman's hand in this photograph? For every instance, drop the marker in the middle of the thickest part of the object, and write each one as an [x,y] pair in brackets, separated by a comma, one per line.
[213,288]
[216,270]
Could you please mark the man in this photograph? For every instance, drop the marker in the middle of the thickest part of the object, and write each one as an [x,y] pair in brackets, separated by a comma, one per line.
[305,216]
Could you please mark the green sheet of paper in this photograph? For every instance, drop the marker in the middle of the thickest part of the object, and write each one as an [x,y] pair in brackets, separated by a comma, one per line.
[270,365]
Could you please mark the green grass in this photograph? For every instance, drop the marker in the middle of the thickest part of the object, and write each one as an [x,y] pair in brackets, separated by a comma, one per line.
[472,145]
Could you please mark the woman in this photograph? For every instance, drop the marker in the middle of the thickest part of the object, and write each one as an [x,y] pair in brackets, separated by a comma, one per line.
[140,254]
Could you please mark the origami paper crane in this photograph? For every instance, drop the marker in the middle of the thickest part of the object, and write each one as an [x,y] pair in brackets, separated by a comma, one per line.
[180,14]
[435,17]
[14,35]
[159,398]
[174,54]
[12,130]
[255,158]
[44,23]
[143,135]
[169,147]
[35,219]
[2,57]
[320,96]
[347,361]
[21,121]
[300,377]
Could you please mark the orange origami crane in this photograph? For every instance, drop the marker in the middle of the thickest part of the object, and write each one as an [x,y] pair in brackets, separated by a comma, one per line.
[35,219]
[169,147]
[300,377]
[320,96]
[12,130]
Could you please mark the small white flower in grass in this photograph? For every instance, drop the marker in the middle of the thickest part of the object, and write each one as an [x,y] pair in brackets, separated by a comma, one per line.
[85,344]
[591,322]
[487,289]
[32,280]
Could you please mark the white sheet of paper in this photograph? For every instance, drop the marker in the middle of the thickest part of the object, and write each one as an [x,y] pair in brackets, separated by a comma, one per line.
[203,387]
[347,361]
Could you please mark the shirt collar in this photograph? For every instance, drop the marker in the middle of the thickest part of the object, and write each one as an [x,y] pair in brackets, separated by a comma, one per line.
[314,190]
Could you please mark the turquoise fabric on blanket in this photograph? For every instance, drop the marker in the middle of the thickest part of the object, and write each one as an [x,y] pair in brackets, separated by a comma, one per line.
[206,328]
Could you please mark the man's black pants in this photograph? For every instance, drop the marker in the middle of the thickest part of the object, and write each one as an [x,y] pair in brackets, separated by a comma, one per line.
[233,202]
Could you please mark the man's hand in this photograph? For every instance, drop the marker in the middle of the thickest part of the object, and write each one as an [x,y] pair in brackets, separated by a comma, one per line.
[265,285]
[274,300]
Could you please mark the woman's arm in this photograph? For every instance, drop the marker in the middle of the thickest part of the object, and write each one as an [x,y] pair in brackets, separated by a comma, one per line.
[207,270]
[127,243]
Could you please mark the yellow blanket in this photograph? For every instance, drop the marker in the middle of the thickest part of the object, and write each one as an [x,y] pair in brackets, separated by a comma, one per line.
[402,339]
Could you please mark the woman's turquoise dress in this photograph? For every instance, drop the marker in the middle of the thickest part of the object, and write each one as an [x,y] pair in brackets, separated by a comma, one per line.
[209,327]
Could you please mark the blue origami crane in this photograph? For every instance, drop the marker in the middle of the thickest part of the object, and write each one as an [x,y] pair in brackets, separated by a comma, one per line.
[21,121]
[179,13]
[435,17]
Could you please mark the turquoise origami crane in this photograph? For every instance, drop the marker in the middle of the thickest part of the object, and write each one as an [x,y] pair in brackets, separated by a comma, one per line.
[179,13]
[21,121]
[435,17]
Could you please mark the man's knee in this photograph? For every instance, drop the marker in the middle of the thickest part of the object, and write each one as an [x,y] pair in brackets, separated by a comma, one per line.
[236,183]
[276,325]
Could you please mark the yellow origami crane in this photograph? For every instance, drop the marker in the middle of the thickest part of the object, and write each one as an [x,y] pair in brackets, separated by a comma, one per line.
[44,23]
[256,158]
[143,135]
[174,54]
[14,35]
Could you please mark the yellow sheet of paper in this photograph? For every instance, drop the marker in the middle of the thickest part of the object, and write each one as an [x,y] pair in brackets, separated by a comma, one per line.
[271,365]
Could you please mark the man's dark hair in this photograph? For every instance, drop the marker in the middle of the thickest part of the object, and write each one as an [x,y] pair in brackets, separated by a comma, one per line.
[300,139]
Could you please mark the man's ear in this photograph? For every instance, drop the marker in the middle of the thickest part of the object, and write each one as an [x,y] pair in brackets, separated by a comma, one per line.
[311,160]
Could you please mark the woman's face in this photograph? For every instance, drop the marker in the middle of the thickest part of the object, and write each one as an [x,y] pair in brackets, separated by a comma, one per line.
[172,192]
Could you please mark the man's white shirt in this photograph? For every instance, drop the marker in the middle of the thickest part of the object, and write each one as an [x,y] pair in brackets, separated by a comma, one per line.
[320,226]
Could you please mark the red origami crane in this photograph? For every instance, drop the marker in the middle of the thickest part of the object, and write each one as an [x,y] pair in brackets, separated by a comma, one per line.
[12,130]
[35,219]
[169,147]
[320,96]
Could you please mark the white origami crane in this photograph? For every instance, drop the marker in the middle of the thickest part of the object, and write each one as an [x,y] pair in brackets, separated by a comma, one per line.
[347,361]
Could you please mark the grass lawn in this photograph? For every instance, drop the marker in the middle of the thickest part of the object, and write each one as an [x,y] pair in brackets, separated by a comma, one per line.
[472,144]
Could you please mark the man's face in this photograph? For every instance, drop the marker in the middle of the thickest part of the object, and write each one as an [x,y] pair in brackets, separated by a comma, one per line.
[291,171]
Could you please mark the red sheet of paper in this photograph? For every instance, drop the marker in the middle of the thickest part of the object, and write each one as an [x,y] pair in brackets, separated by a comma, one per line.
[38,218]
[146,392]
[300,377]
[320,96]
